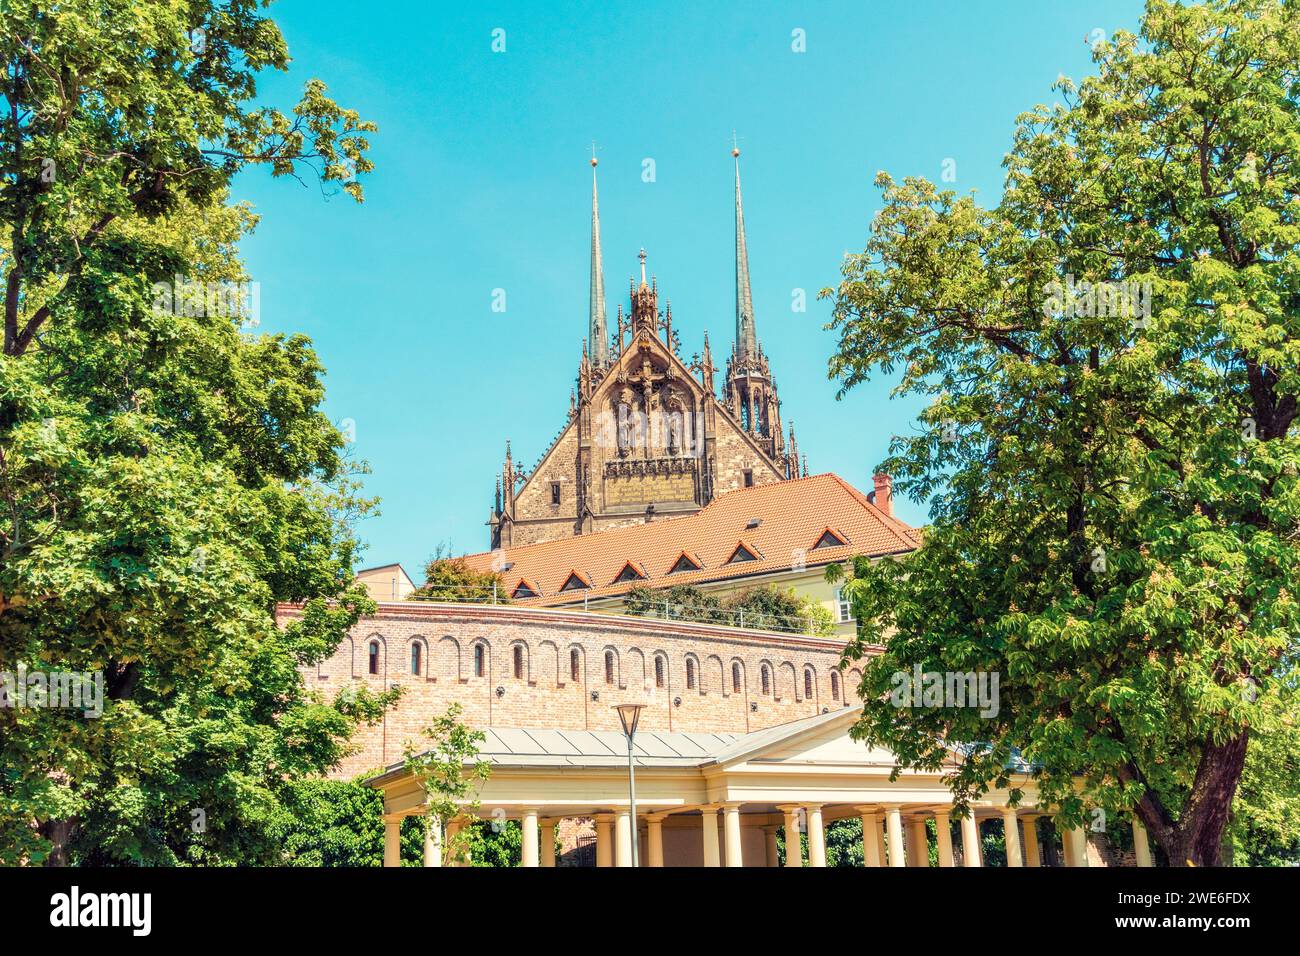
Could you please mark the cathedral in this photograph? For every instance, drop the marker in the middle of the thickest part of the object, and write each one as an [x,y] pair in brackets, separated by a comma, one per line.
[650,435]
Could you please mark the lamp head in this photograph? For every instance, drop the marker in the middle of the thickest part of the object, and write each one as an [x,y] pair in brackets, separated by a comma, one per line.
[629,714]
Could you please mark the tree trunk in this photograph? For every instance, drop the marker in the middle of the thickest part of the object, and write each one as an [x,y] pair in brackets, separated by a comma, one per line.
[1196,838]
[58,832]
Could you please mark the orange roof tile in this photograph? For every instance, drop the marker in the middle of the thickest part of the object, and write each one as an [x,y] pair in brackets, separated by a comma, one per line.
[794,515]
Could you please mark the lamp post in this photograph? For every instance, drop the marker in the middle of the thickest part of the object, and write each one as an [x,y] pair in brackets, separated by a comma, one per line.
[629,714]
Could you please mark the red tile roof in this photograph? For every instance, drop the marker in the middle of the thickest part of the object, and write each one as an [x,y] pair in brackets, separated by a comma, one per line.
[794,515]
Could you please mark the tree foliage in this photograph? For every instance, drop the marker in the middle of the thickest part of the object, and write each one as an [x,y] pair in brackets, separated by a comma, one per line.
[440,768]
[1115,492]
[762,606]
[165,478]
[449,578]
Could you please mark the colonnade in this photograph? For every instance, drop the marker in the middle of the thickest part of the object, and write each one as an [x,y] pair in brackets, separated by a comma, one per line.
[893,834]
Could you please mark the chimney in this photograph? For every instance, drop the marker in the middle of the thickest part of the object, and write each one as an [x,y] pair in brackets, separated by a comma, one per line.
[883,496]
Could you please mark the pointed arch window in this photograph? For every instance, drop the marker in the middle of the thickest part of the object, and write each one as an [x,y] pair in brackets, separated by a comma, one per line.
[690,673]
[808,682]
[575,665]
[735,677]
[415,658]
[519,662]
[767,680]
[659,672]
[609,667]
[480,656]
[835,686]
[372,657]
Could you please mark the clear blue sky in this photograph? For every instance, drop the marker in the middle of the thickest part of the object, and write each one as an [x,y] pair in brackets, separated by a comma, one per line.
[482,182]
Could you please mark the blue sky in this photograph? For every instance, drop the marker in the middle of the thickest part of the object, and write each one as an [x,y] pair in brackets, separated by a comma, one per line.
[483,183]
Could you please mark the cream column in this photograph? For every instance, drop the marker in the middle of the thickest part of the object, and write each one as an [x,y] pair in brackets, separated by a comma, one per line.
[528,845]
[654,839]
[816,836]
[1077,847]
[870,838]
[623,838]
[943,838]
[1031,841]
[548,842]
[793,845]
[1011,837]
[392,840]
[604,848]
[731,827]
[453,858]
[894,823]
[970,840]
[433,841]
[709,827]
[1141,849]
[880,842]
[772,855]
[918,843]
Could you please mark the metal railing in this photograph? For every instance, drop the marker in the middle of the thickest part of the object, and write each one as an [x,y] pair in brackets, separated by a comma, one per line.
[665,610]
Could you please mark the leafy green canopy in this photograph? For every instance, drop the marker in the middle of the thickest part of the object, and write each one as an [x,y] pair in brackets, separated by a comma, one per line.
[165,479]
[449,578]
[1116,507]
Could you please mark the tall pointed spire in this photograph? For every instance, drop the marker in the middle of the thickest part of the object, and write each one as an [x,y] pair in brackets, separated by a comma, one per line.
[746,337]
[598,336]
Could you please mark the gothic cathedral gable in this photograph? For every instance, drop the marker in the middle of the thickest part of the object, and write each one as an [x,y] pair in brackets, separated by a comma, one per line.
[647,437]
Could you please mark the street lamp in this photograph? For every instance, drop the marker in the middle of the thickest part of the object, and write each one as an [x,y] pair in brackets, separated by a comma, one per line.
[629,714]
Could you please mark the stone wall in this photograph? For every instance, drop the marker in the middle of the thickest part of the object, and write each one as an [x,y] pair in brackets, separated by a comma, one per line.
[511,666]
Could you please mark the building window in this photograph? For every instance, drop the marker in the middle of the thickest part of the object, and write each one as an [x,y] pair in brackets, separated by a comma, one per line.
[767,680]
[835,686]
[555,492]
[478,660]
[659,672]
[844,604]
[749,478]
[415,659]
[735,677]
[609,667]
[829,539]
[574,664]
[373,652]
[690,674]
[808,683]
[519,662]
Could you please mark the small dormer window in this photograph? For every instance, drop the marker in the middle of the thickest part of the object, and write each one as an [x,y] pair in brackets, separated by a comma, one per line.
[630,572]
[742,553]
[683,563]
[523,590]
[829,539]
[575,582]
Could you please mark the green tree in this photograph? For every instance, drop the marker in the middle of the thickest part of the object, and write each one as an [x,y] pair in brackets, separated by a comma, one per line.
[440,769]
[332,823]
[1112,355]
[165,478]
[452,579]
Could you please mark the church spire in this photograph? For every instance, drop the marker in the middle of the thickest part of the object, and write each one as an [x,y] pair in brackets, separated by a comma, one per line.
[746,338]
[598,346]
